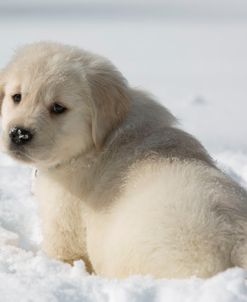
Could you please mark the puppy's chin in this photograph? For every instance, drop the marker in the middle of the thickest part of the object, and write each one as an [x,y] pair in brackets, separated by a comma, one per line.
[23,155]
[20,155]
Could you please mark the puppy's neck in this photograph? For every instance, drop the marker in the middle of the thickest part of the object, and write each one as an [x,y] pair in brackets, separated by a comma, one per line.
[75,174]
[81,161]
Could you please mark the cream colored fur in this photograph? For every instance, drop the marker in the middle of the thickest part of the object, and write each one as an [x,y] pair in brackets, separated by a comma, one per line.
[119,185]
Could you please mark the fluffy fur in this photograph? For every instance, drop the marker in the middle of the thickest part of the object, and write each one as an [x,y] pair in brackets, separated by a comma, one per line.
[119,185]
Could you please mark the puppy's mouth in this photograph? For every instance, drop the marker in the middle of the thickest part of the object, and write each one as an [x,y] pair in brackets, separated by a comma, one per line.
[20,154]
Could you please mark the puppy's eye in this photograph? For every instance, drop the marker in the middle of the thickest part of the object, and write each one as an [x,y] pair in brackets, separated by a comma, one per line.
[57,108]
[16,98]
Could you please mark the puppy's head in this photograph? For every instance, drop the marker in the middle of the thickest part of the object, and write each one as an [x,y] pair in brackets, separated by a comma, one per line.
[58,102]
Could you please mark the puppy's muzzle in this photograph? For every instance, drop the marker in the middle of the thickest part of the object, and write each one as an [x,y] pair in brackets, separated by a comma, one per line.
[20,136]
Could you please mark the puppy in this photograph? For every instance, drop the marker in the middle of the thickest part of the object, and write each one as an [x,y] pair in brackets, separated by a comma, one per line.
[119,185]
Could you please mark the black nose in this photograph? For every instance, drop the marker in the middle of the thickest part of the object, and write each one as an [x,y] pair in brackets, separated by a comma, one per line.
[20,136]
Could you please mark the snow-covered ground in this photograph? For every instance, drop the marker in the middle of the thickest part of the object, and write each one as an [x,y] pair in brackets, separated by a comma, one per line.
[196,68]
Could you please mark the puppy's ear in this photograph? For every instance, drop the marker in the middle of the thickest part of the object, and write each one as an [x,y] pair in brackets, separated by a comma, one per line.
[110,99]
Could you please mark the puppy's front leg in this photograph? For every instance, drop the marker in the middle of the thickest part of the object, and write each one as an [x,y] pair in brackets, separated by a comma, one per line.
[64,242]
[63,228]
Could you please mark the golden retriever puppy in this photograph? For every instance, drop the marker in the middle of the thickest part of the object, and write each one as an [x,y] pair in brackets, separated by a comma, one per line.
[119,185]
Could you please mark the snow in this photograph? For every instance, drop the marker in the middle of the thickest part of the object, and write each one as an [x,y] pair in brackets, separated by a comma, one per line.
[198,69]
